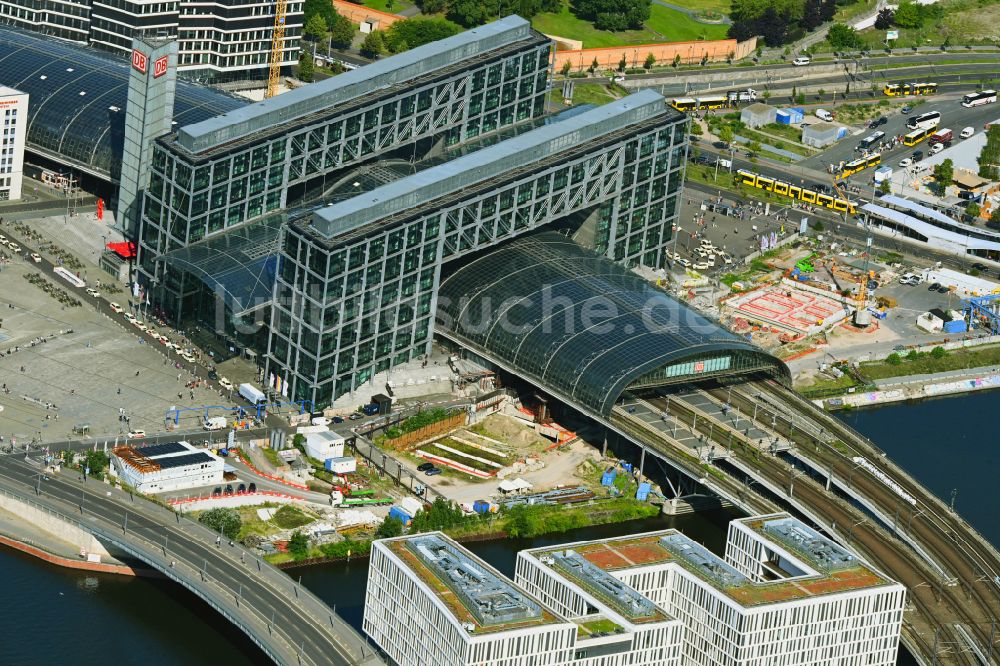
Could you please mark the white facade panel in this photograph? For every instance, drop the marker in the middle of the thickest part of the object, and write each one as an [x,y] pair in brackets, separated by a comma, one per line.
[13,129]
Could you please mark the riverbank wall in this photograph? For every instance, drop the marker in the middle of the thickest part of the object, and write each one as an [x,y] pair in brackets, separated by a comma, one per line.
[912,389]
[34,531]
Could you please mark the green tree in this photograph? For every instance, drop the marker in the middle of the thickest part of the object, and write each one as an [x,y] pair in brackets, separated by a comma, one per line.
[468,13]
[989,157]
[622,64]
[938,352]
[677,59]
[995,216]
[908,15]
[390,527]
[342,32]
[315,28]
[650,61]
[884,187]
[298,545]
[96,461]
[594,65]
[566,68]
[373,44]
[883,21]
[224,521]
[417,31]
[616,15]
[432,6]
[726,134]
[322,8]
[893,359]
[696,128]
[944,173]
[441,515]
[973,210]
[841,36]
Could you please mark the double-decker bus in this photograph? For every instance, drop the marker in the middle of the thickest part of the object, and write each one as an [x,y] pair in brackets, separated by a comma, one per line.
[797,192]
[859,165]
[979,98]
[916,136]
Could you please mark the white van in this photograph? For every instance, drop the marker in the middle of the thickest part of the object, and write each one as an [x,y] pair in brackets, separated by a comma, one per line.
[801,61]
[967,132]
[823,115]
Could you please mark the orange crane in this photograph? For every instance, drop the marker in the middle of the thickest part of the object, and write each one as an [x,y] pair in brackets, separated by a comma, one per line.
[277,47]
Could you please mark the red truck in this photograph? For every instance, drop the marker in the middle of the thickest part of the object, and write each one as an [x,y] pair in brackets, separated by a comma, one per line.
[941,136]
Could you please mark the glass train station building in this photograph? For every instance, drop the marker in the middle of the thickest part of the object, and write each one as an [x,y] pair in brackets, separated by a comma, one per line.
[332,213]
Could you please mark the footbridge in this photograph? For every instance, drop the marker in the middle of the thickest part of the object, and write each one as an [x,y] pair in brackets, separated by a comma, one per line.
[674,383]
[287,622]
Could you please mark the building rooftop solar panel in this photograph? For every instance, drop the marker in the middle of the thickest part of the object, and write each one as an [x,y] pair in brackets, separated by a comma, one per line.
[180,461]
[153,450]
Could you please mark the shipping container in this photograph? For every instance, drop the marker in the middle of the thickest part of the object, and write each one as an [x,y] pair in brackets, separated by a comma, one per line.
[402,516]
[341,465]
[481,506]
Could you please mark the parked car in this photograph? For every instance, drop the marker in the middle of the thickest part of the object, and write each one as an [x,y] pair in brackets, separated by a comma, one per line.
[217,491]
[423,467]
[338,419]
[944,289]
[433,471]
[117,309]
[934,286]
[137,434]
[252,488]
[355,416]
[242,488]
[225,383]
[684,262]
[906,109]
[229,490]
[801,61]
[823,115]
[979,267]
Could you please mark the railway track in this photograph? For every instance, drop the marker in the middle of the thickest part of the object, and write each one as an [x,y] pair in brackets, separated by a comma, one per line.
[938,604]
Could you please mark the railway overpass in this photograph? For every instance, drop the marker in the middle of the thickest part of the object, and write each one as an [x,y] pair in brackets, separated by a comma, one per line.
[717,410]
[287,622]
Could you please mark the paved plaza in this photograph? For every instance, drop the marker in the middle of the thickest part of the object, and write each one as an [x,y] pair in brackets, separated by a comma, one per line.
[75,374]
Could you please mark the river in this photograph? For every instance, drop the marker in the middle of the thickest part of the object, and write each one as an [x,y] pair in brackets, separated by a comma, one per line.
[58,616]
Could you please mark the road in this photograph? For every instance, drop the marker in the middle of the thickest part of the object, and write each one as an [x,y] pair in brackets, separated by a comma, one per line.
[288,622]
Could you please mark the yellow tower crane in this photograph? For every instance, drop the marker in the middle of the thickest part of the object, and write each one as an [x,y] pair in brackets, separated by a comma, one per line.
[277,47]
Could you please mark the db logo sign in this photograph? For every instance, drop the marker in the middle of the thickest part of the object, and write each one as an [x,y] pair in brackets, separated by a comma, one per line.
[139,61]
[159,67]
[699,366]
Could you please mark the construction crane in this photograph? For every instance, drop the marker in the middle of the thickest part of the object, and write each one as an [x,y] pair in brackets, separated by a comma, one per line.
[862,317]
[277,47]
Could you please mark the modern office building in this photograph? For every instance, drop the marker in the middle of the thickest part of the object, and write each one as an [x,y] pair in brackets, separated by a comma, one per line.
[229,38]
[784,594]
[430,602]
[357,289]
[158,468]
[14,116]
[293,150]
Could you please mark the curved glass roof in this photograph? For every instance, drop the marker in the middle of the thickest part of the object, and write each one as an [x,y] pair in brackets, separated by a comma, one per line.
[71,91]
[582,325]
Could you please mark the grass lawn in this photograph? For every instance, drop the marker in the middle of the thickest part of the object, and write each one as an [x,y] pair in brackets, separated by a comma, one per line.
[591,93]
[384,6]
[721,6]
[602,625]
[664,25]
[925,363]
[289,517]
[848,12]
[789,132]
[826,386]
[963,22]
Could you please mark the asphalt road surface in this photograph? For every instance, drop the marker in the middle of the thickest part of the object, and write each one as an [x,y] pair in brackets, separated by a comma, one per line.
[233,578]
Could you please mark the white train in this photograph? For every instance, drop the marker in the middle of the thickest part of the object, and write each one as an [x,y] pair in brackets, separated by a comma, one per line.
[884,478]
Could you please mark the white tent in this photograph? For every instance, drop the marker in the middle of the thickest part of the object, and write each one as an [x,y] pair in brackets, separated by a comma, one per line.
[513,486]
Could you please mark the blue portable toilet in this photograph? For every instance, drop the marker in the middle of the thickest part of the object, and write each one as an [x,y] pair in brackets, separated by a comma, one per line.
[642,494]
[608,478]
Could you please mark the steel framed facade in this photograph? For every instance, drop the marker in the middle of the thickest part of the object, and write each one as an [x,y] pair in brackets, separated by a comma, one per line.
[293,161]
[357,290]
